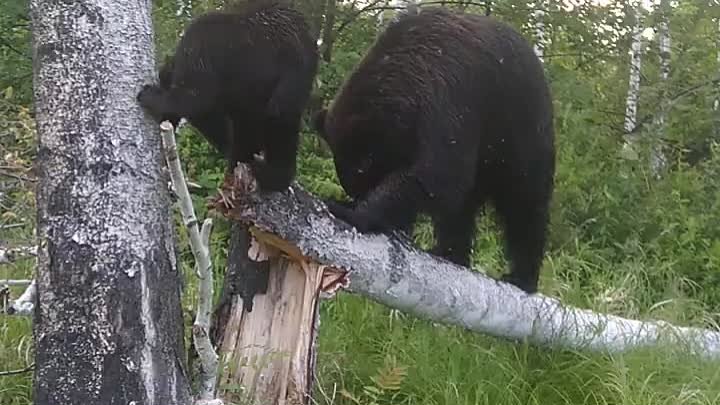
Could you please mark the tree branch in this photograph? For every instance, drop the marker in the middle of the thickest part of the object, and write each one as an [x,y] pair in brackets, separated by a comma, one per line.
[373,6]
[15,283]
[7,44]
[12,226]
[393,272]
[25,304]
[10,255]
[29,368]
[200,246]
[201,327]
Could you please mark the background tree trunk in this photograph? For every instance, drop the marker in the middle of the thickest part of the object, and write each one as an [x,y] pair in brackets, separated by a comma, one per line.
[184,8]
[108,324]
[716,102]
[658,162]
[328,31]
[633,93]
[539,25]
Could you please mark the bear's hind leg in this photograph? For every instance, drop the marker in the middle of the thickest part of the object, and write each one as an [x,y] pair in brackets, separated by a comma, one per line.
[525,221]
[455,235]
[280,145]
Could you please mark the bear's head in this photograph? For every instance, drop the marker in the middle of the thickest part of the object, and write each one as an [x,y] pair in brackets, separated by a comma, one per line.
[354,151]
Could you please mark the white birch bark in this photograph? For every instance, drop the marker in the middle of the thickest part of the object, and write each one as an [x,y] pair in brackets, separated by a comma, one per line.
[184,8]
[11,254]
[665,54]
[328,31]
[408,7]
[539,26]
[108,324]
[658,160]
[15,283]
[200,247]
[716,103]
[633,93]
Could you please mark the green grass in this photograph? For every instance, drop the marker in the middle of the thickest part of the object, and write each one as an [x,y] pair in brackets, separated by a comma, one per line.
[448,366]
[15,333]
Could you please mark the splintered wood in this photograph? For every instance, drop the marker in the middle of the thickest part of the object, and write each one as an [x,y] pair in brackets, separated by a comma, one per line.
[267,352]
[268,355]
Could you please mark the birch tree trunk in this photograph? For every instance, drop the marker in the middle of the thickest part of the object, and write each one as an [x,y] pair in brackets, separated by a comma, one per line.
[108,324]
[658,161]
[408,7]
[184,8]
[665,54]
[633,93]
[716,103]
[328,32]
[539,25]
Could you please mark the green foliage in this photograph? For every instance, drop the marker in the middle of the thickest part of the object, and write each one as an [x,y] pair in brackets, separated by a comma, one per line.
[17,141]
[349,48]
[15,54]
[385,388]
[446,365]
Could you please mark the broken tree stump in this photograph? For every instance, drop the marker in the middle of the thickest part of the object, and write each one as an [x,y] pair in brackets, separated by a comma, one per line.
[267,354]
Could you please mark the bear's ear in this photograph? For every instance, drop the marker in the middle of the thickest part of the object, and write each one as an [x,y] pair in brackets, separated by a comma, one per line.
[318,122]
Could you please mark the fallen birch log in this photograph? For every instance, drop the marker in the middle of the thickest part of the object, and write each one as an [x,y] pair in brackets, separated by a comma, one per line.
[393,272]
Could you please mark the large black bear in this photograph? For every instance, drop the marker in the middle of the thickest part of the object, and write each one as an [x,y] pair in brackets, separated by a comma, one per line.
[446,112]
[242,77]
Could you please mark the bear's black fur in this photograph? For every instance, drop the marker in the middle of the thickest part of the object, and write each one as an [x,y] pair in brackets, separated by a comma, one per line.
[242,78]
[446,112]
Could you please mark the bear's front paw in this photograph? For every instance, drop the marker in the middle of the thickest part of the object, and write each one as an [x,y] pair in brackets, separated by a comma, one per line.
[345,212]
[148,95]
[268,178]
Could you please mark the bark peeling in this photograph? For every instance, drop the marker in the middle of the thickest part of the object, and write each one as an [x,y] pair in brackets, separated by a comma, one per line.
[108,324]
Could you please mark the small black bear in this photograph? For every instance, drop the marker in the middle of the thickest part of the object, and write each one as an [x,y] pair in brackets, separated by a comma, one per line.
[446,112]
[242,77]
